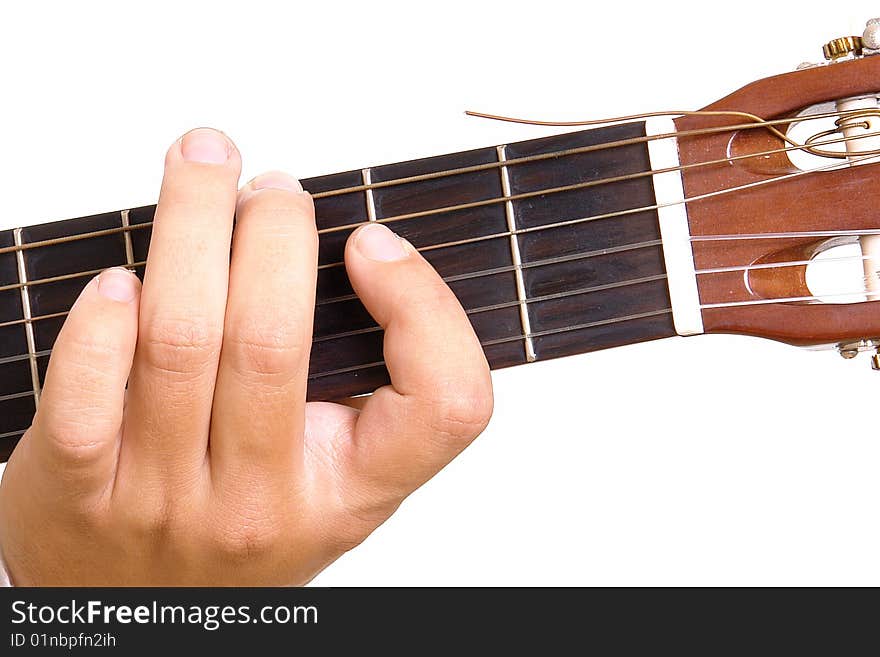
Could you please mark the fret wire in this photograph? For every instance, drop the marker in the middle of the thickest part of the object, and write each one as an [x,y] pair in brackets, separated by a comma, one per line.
[367,177]
[26,310]
[525,321]
[521,160]
[129,248]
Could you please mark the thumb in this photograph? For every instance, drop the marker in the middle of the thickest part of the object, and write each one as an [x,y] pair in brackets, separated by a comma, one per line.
[77,426]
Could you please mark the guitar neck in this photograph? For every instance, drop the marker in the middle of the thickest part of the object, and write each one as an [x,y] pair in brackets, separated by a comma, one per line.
[552,246]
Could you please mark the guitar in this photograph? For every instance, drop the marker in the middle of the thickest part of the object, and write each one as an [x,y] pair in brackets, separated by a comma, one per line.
[636,230]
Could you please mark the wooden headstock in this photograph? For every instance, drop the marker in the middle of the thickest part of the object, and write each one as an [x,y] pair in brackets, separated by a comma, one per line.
[844,199]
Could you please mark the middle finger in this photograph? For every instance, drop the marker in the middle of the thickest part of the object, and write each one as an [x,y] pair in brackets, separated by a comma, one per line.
[182,308]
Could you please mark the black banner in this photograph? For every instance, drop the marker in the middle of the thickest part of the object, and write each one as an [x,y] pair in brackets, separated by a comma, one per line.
[550,621]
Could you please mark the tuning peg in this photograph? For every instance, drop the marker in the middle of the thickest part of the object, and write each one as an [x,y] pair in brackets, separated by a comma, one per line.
[850,350]
[871,35]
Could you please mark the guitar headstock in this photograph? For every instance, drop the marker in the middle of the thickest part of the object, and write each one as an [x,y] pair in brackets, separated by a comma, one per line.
[754,243]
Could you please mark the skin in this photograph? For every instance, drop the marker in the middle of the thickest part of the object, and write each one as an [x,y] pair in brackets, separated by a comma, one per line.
[173,444]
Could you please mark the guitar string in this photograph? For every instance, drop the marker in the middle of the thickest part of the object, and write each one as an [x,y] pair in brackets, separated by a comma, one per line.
[811,142]
[488,343]
[539,333]
[701,238]
[507,163]
[573,327]
[535,299]
[526,265]
[778,300]
[497,341]
[638,210]
[507,234]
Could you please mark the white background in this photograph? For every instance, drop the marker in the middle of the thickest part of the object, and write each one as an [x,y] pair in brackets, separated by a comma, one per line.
[707,460]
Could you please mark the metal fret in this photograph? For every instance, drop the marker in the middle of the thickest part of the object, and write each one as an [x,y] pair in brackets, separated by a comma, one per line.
[26,309]
[367,176]
[517,260]
[126,233]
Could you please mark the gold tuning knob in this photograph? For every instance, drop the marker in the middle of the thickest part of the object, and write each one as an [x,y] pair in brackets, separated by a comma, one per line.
[842,47]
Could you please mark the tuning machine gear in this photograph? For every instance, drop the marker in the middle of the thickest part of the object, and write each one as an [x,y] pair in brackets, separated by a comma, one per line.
[851,47]
[850,350]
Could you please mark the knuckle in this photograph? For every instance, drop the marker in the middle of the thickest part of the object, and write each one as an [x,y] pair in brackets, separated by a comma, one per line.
[268,347]
[149,518]
[73,439]
[93,347]
[249,535]
[461,415]
[90,364]
[181,346]
[360,505]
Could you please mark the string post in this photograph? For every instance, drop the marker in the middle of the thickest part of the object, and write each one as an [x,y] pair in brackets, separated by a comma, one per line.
[850,350]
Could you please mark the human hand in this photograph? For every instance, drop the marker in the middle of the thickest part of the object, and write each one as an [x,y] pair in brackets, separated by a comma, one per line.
[211,469]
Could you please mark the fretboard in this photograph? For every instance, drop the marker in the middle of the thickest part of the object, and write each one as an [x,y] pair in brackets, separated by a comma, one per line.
[543,272]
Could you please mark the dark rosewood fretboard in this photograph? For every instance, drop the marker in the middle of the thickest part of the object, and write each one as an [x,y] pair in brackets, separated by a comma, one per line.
[573,288]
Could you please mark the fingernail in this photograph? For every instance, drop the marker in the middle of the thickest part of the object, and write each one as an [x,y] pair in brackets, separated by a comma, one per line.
[276,180]
[117,285]
[206,146]
[377,242]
